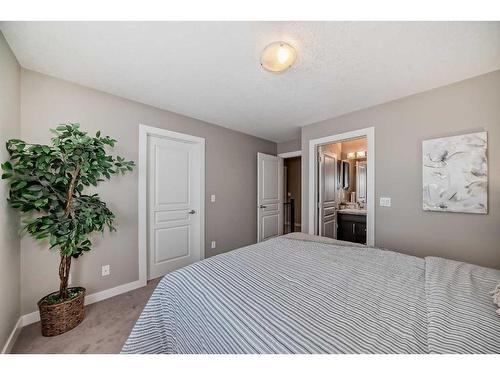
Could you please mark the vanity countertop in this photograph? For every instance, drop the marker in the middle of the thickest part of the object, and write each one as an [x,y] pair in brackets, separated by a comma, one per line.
[352,211]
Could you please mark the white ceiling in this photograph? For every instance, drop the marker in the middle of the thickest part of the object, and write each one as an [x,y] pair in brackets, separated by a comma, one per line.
[210,70]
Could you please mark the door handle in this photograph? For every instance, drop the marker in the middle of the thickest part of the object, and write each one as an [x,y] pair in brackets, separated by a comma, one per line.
[262,206]
[191,212]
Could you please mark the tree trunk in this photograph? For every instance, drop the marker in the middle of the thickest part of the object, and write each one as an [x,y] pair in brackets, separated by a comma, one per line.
[64,267]
[65,263]
[71,190]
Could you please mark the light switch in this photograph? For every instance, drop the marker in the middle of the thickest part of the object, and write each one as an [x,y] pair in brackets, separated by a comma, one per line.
[385,202]
[212,198]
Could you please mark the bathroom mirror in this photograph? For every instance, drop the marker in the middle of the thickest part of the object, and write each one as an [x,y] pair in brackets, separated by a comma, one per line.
[361,181]
[345,174]
[339,174]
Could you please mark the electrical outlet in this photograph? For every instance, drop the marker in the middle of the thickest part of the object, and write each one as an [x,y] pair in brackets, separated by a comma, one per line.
[212,198]
[385,202]
[106,270]
[213,245]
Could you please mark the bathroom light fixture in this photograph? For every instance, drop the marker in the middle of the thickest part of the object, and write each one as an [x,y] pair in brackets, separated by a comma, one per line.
[361,154]
[351,155]
[277,57]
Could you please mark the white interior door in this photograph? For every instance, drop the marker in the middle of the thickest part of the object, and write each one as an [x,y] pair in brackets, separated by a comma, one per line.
[269,196]
[327,192]
[175,202]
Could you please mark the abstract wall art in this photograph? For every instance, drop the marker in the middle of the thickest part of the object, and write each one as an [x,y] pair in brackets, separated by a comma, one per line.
[455,174]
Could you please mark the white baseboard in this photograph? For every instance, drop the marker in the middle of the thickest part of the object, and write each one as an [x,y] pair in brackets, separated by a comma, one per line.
[30,318]
[108,293]
[90,299]
[13,336]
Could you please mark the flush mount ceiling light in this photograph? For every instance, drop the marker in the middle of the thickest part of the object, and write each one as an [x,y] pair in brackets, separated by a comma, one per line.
[278,57]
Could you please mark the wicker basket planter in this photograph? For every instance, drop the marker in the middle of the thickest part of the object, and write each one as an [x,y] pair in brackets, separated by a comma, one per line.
[61,317]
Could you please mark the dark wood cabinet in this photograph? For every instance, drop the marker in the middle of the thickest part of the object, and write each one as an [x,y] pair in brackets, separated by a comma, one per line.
[351,228]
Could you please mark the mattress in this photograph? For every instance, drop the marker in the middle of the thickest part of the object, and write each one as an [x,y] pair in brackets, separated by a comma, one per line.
[307,294]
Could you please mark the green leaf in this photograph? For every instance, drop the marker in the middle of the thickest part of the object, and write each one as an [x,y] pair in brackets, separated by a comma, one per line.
[7,166]
[41,202]
[19,185]
[28,196]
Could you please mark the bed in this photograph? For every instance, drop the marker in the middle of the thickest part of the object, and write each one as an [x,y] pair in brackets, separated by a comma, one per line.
[306,294]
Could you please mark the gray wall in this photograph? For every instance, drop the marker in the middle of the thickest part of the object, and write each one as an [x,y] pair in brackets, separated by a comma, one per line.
[231,174]
[9,221]
[400,127]
[289,146]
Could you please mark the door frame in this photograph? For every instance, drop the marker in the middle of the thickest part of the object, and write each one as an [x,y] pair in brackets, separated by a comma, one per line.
[144,132]
[291,154]
[369,133]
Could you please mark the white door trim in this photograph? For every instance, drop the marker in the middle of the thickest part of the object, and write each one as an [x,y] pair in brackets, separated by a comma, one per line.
[291,154]
[144,131]
[369,133]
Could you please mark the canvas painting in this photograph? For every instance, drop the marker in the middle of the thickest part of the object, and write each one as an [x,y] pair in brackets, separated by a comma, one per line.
[455,174]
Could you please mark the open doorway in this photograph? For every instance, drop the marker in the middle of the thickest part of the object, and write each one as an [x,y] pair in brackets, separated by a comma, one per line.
[292,194]
[341,186]
[292,191]
[342,190]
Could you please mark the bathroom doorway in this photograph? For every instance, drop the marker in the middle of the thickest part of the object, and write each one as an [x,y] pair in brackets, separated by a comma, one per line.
[343,187]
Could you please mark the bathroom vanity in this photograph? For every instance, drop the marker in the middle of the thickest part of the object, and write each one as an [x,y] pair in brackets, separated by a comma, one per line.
[351,225]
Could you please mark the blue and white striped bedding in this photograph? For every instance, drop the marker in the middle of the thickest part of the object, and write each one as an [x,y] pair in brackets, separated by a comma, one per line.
[290,295]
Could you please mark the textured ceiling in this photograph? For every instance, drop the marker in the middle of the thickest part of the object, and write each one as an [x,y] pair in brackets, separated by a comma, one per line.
[210,70]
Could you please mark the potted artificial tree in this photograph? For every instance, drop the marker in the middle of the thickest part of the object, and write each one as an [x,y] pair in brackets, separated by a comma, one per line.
[47,185]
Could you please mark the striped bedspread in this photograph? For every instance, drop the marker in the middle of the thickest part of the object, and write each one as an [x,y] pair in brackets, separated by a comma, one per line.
[292,294]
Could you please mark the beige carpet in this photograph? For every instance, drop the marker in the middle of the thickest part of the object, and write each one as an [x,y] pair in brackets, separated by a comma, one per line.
[106,326]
